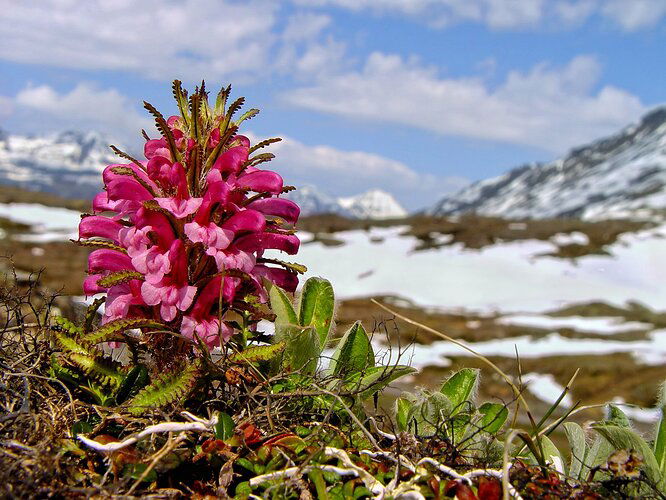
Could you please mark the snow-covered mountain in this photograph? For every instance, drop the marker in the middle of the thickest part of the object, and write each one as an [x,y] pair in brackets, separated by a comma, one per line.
[373,204]
[68,163]
[618,176]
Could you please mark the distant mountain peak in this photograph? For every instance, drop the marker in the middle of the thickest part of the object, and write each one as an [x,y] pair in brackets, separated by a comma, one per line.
[616,176]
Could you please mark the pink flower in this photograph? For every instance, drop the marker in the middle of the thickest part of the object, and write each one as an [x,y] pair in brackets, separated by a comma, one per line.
[187,228]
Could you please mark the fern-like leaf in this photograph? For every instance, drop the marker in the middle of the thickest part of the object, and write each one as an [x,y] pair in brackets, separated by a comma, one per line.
[113,330]
[180,96]
[264,143]
[292,266]
[99,244]
[163,128]
[258,159]
[67,326]
[257,353]
[248,115]
[91,313]
[165,390]
[127,156]
[119,277]
[97,368]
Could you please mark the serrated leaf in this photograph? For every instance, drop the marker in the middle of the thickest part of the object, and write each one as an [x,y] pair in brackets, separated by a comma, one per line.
[257,353]
[97,368]
[163,128]
[354,352]
[578,446]
[100,244]
[376,378]
[119,277]
[292,266]
[113,329]
[317,307]
[248,115]
[71,345]
[224,429]
[264,143]
[91,313]
[164,390]
[68,326]
[134,381]
[493,417]
[181,99]
[461,387]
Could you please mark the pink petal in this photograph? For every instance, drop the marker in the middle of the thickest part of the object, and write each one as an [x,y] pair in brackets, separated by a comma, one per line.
[231,160]
[279,207]
[261,181]
[90,286]
[98,226]
[152,295]
[246,220]
[281,277]
[178,207]
[106,259]
[258,242]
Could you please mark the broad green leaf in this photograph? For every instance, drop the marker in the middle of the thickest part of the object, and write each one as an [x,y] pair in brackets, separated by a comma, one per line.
[660,438]
[224,428]
[282,308]
[622,438]
[617,417]
[376,378]
[354,352]
[403,408]
[551,454]
[302,349]
[578,445]
[317,307]
[460,387]
[435,410]
[493,417]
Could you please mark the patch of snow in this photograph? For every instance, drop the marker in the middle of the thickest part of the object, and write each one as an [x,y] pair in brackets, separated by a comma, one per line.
[373,204]
[545,387]
[604,325]
[651,351]
[576,237]
[646,415]
[41,217]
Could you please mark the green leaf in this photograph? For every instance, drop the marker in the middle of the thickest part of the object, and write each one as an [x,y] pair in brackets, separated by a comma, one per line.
[97,368]
[317,307]
[376,378]
[551,453]
[430,414]
[354,352]
[166,389]
[224,428]
[578,445]
[623,438]
[134,381]
[283,309]
[660,442]
[81,427]
[71,345]
[91,313]
[493,417]
[403,409]
[461,387]
[113,330]
[68,326]
[135,471]
[617,417]
[257,353]
[302,349]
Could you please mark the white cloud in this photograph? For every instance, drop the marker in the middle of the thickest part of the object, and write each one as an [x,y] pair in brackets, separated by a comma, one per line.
[510,14]
[635,14]
[84,107]
[190,39]
[351,172]
[548,107]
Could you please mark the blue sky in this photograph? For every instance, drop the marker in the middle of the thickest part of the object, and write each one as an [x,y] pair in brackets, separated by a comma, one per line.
[417,97]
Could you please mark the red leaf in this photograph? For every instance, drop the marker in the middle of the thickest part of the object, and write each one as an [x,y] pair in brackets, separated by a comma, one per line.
[489,489]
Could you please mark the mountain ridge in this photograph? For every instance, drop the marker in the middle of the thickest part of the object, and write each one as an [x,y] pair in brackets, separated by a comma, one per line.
[621,175]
